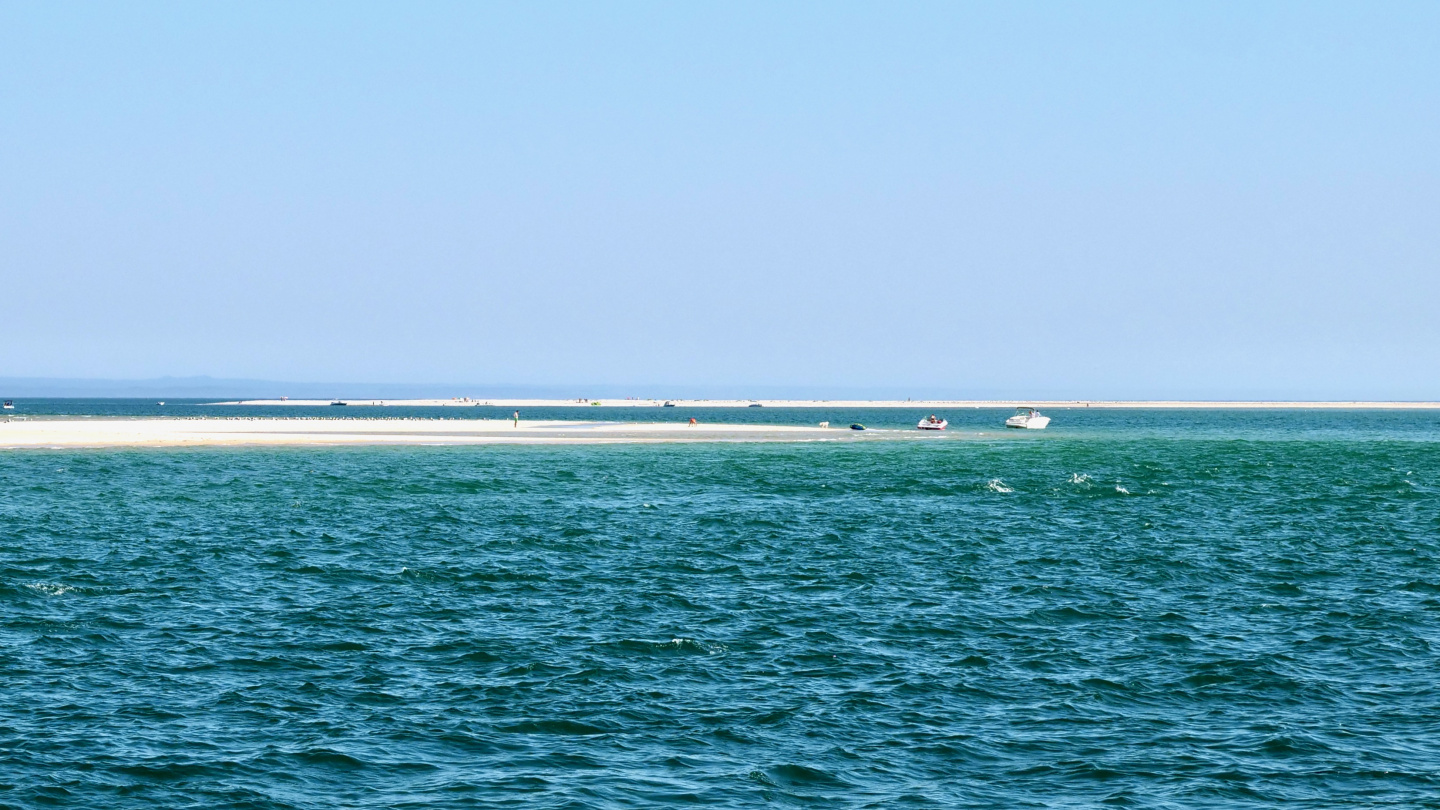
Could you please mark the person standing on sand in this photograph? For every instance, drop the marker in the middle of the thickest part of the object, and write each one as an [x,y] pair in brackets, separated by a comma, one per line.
[692,421]
[516,417]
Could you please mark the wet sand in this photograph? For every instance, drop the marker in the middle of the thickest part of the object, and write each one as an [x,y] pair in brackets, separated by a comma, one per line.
[42,432]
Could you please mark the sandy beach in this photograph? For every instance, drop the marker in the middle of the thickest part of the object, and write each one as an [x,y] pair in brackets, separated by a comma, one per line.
[58,433]
[849,403]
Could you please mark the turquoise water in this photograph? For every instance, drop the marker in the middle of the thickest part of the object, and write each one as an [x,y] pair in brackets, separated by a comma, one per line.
[965,422]
[1203,609]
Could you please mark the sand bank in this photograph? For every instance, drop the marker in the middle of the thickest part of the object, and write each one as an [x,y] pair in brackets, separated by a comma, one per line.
[20,433]
[846,403]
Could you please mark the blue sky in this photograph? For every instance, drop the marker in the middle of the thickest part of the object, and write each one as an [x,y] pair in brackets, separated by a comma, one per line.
[1084,200]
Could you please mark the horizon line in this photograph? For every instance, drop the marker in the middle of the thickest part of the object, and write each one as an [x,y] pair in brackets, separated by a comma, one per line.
[207,387]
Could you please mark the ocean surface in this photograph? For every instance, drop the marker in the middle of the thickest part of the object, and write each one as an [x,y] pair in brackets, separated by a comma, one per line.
[1134,609]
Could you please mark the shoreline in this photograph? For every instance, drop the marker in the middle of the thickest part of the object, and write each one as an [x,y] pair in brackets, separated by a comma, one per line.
[469,402]
[219,431]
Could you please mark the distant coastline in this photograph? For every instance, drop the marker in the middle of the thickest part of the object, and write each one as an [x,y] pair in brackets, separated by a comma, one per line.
[610,402]
[200,432]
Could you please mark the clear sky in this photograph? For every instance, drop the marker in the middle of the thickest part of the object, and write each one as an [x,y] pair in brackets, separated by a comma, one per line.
[1144,199]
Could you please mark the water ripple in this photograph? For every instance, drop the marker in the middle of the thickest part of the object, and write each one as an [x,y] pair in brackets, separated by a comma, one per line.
[1165,621]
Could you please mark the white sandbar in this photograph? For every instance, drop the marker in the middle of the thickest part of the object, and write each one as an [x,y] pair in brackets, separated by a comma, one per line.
[98,432]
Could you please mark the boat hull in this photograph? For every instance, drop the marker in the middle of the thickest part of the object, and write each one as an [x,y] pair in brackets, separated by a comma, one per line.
[1027,422]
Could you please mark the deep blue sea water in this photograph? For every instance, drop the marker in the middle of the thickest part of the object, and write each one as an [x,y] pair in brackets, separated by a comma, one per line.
[1146,609]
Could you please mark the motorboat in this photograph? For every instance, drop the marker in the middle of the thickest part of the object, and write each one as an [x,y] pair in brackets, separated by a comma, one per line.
[339,402]
[932,423]
[9,406]
[857,426]
[754,405]
[668,405]
[1027,418]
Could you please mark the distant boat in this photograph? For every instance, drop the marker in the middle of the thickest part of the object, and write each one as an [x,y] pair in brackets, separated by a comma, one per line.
[339,402]
[755,405]
[668,405]
[931,423]
[9,406]
[1027,418]
[857,426]
[161,402]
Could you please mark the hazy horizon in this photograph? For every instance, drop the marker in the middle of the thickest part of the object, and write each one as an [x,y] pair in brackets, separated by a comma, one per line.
[205,387]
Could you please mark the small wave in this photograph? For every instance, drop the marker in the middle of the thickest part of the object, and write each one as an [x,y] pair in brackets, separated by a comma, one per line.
[674,645]
[798,776]
[561,727]
[329,758]
[50,589]
[695,645]
[763,778]
[1079,478]
[996,485]
[1121,490]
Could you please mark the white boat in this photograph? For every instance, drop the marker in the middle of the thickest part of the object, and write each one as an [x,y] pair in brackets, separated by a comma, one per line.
[9,406]
[931,423]
[1027,418]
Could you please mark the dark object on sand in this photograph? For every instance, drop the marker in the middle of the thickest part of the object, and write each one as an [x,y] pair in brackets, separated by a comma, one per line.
[857,426]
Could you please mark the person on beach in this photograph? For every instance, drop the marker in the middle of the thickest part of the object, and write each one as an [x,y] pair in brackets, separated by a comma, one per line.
[516,417]
[692,421]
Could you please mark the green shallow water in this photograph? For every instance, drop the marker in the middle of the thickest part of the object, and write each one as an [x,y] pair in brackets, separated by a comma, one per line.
[1228,611]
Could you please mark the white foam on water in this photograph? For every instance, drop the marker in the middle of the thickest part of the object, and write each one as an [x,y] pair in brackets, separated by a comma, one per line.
[996,485]
[49,589]
[696,644]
